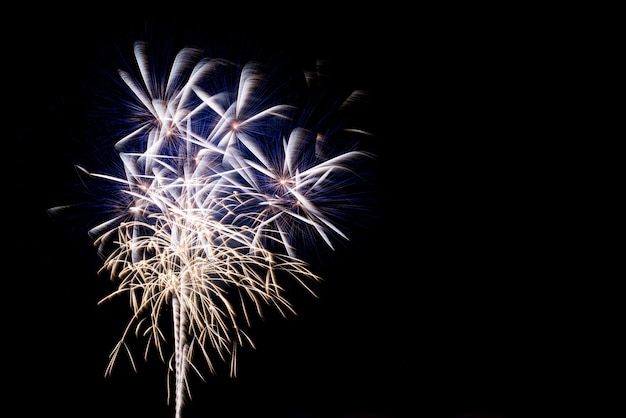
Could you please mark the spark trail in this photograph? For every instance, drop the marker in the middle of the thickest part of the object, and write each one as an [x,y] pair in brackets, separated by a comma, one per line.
[222,188]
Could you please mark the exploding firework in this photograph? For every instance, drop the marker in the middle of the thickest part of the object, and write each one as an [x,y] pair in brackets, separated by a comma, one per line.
[224,186]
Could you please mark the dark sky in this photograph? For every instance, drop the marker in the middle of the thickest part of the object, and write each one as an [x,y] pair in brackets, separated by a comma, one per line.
[441,310]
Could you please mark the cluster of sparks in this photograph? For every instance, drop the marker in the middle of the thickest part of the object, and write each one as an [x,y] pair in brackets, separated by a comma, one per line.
[220,186]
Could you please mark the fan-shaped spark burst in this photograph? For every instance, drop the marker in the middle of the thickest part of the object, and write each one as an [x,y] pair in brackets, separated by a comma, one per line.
[220,187]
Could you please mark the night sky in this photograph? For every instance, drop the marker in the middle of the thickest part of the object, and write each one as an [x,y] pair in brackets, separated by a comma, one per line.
[441,309]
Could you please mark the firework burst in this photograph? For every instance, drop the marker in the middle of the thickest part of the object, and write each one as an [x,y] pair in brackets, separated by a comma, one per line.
[222,189]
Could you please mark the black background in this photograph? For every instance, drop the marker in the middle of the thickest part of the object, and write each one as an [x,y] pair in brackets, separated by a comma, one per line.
[454,305]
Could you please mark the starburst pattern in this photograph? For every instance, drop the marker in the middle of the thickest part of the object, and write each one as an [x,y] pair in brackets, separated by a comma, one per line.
[223,186]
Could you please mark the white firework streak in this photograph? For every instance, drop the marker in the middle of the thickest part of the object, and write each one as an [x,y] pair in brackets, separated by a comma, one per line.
[218,206]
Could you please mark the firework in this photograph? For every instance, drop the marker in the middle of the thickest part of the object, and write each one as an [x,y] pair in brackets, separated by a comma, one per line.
[224,184]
